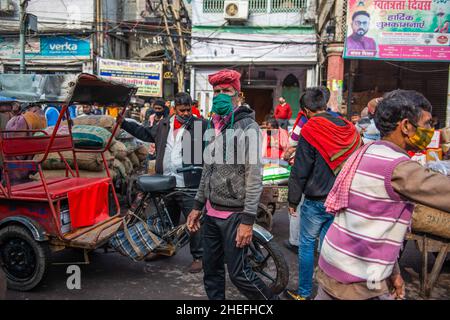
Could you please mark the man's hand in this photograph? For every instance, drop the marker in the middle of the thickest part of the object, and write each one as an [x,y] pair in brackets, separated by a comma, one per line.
[244,235]
[399,286]
[292,211]
[288,153]
[193,221]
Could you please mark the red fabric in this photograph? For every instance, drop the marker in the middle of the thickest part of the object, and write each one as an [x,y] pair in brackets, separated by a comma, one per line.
[330,139]
[177,124]
[89,206]
[276,144]
[283,112]
[337,199]
[226,77]
[196,112]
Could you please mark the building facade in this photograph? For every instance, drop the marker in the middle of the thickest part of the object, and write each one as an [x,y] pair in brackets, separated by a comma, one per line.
[274,47]
[70,36]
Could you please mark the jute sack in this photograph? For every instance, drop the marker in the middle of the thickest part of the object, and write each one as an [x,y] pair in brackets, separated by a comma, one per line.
[119,150]
[432,221]
[85,161]
[103,121]
[85,136]
[142,152]
[119,168]
[128,166]
[131,145]
[62,173]
[134,160]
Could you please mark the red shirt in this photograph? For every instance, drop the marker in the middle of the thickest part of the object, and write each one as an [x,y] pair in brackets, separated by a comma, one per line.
[196,112]
[283,112]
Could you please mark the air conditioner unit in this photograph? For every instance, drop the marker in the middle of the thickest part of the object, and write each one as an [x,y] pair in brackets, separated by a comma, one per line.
[7,6]
[235,10]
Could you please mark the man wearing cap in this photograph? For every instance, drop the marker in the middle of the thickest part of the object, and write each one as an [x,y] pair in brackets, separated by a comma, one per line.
[229,190]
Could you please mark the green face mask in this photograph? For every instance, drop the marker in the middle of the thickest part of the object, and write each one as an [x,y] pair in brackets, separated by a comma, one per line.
[222,104]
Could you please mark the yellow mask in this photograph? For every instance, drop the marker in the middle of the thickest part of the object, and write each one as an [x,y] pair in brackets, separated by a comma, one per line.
[422,138]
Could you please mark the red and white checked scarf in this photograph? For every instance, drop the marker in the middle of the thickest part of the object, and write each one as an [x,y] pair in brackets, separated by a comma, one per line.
[337,199]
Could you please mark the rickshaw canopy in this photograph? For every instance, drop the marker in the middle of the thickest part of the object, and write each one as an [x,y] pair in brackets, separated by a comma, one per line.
[64,89]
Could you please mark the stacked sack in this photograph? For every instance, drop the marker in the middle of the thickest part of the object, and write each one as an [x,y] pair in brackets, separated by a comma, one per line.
[133,152]
[90,164]
[125,154]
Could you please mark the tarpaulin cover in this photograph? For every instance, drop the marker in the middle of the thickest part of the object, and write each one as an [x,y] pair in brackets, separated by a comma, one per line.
[36,88]
[89,205]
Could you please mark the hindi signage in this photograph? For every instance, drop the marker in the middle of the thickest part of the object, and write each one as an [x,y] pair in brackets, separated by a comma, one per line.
[398,30]
[147,76]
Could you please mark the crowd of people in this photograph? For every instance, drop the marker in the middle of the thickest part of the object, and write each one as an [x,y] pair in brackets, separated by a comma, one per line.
[351,190]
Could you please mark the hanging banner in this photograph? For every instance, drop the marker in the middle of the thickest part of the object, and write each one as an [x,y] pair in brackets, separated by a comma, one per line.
[408,30]
[147,76]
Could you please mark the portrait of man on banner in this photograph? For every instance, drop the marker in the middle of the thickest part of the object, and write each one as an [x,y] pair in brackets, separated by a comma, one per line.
[358,41]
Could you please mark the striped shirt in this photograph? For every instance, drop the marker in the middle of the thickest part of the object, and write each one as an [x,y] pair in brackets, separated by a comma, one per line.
[364,240]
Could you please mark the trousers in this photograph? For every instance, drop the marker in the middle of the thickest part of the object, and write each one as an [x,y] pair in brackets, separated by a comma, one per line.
[219,243]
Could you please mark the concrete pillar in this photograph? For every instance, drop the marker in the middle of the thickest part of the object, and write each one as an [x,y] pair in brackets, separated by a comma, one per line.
[335,74]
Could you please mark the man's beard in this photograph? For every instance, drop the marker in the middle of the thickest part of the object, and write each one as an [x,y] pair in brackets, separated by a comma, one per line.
[361,32]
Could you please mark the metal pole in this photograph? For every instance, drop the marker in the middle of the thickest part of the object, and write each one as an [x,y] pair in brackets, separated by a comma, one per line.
[23,18]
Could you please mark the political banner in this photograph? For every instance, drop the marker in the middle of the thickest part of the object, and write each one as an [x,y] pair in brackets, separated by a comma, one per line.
[147,76]
[408,30]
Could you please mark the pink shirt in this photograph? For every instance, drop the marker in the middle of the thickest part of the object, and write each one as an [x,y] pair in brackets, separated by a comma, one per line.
[210,211]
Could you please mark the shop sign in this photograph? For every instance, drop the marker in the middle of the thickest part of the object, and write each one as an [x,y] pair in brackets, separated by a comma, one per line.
[47,48]
[398,30]
[168,75]
[147,76]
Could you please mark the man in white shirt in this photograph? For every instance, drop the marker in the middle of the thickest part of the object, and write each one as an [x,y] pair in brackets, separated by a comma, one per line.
[168,136]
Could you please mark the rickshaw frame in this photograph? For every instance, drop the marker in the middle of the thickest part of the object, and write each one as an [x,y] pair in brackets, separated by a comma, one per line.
[37,205]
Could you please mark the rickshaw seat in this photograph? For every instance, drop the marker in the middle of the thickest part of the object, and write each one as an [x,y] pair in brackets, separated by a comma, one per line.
[156,183]
[57,187]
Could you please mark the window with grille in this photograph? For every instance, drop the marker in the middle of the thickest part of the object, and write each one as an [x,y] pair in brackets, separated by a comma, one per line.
[258,6]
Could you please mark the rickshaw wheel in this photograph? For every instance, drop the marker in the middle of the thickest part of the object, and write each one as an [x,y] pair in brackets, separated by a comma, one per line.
[24,260]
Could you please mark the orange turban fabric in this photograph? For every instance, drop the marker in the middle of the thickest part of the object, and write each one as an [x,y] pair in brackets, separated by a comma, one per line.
[226,78]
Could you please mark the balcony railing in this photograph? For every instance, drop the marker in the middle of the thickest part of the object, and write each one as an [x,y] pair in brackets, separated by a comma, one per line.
[287,5]
[258,6]
[213,6]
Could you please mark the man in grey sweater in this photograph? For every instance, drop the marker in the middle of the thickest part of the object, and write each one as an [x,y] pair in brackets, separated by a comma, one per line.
[230,189]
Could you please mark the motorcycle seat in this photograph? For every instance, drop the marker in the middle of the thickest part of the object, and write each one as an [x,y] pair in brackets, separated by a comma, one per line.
[156,183]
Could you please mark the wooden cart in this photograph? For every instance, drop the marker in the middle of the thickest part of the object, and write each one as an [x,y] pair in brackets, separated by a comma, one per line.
[426,244]
[273,198]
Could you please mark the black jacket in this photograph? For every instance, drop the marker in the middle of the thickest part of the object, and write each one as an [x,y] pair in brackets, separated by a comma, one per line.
[158,135]
[310,174]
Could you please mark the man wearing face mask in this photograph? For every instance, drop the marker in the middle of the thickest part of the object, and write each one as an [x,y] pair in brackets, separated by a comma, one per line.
[373,200]
[230,191]
[169,137]
[325,144]
[160,111]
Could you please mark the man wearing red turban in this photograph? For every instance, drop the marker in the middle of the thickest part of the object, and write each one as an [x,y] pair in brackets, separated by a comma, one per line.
[230,190]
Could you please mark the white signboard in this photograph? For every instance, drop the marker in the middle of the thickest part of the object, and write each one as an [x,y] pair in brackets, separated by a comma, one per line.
[147,76]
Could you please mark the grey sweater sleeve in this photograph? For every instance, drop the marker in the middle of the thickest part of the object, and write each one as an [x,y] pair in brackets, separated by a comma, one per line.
[200,200]
[253,174]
